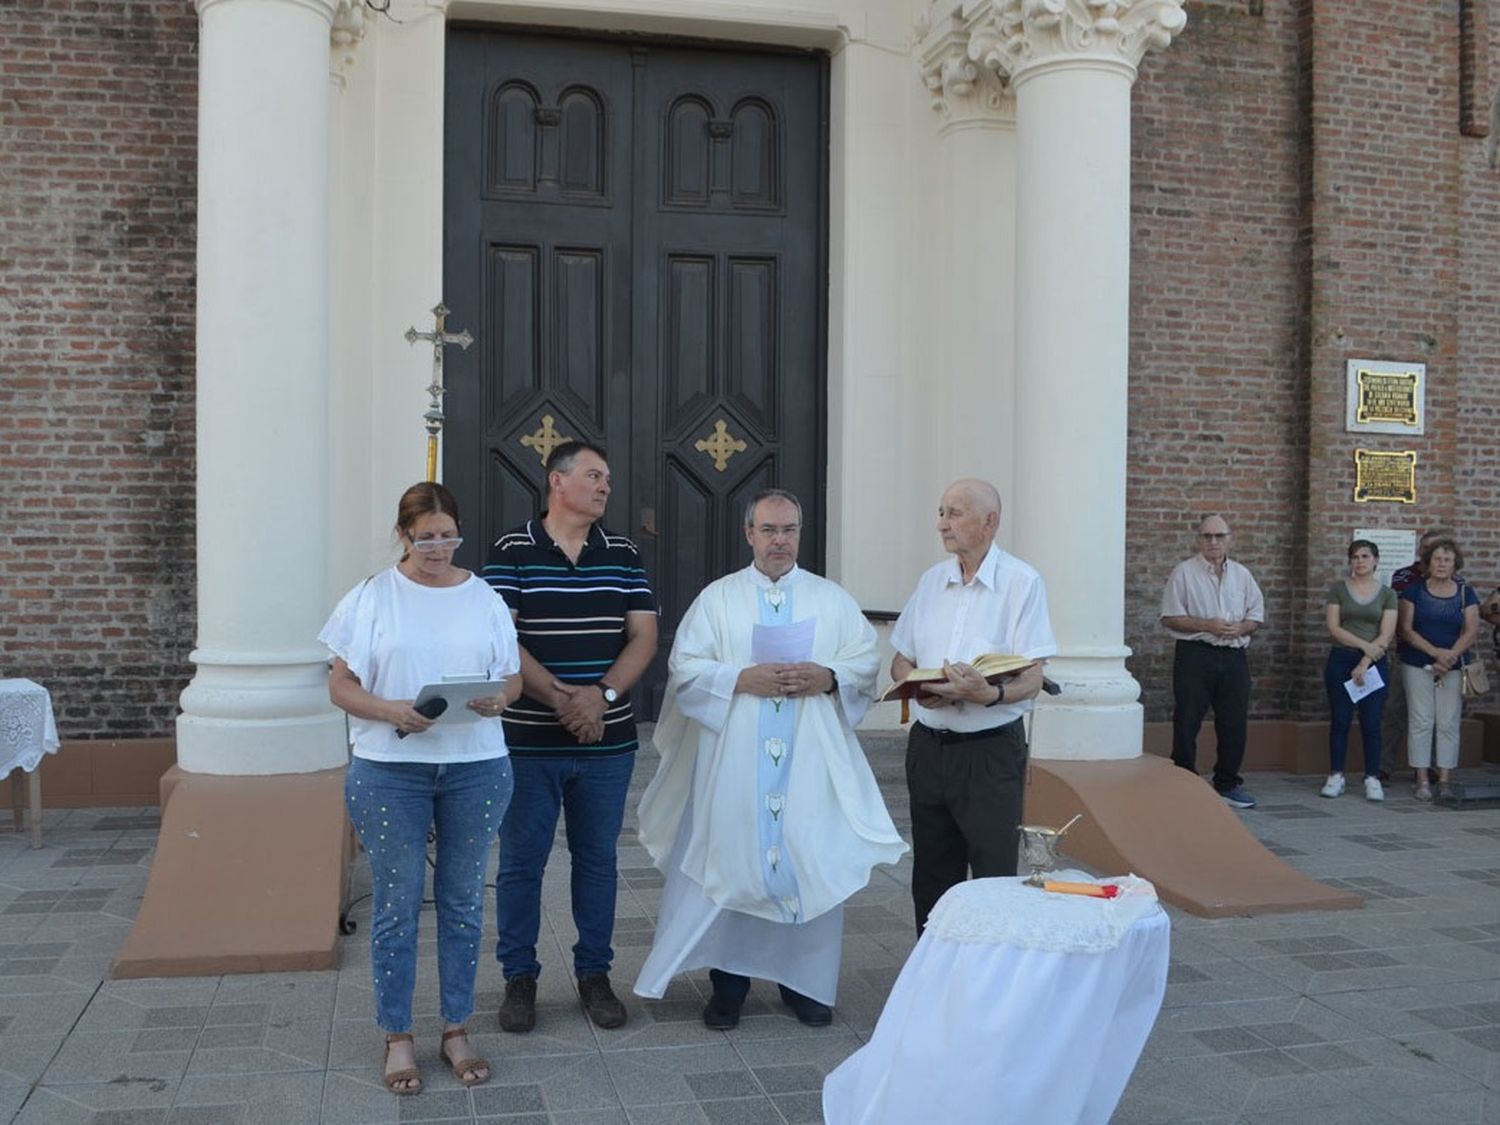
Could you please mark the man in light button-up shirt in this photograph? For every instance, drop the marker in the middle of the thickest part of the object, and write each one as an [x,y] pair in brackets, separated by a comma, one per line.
[1212,606]
[966,755]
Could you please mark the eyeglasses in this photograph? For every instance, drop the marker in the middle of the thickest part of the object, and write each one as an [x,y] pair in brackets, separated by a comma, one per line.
[771,531]
[427,545]
[1214,534]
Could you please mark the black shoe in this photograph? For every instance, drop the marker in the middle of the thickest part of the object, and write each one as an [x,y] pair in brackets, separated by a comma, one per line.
[723,1009]
[720,1013]
[806,1009]
[518,1009]
[600,1003]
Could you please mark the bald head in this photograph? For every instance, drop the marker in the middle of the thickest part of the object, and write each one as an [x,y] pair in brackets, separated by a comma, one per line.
[968,517]
[981,494]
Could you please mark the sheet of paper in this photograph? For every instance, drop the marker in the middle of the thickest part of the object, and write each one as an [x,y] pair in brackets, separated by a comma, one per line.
[783,644]
[1373,682]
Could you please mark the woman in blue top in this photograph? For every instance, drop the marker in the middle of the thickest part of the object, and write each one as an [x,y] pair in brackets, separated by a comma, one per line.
[1361,619]
[1439,621]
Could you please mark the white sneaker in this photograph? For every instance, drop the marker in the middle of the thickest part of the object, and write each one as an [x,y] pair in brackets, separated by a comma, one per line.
[1334,786]
[1373,790]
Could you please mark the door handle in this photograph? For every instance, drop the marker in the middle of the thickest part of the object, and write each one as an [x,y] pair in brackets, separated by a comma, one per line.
[648,522]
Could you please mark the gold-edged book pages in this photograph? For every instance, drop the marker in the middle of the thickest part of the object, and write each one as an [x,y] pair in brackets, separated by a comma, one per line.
[993,666]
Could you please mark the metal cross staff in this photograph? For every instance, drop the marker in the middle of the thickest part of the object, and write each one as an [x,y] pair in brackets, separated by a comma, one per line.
[440,339]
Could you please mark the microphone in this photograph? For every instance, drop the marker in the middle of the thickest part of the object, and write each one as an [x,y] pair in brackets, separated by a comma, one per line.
[429,710]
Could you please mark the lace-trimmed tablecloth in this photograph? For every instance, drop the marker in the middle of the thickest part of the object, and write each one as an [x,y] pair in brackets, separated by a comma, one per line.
[1008,912]
[27,727]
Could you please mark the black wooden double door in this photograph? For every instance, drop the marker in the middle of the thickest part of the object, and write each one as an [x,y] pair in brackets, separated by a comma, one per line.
[635,236]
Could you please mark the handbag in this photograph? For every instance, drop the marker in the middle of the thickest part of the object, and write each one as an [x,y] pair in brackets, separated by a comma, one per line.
[1475,679]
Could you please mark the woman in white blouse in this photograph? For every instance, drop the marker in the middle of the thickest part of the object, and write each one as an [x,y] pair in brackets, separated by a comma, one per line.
[413,624]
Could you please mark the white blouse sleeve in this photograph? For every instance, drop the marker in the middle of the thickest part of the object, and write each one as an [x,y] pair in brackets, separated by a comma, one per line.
[507,652]
[350,631]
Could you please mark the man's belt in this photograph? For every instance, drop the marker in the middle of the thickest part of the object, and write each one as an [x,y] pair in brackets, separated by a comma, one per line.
[967,735]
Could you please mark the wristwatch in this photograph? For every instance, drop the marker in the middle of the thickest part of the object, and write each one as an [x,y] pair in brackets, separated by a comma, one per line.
[611,696]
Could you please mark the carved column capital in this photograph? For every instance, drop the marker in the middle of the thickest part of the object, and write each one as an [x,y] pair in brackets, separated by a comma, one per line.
[965,89]
[350,22]
[1033,33]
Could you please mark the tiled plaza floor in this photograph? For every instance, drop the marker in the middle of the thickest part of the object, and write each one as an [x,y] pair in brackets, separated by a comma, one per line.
[1387,1014]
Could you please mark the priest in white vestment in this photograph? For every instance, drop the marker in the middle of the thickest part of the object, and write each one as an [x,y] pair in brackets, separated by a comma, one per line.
[764,815]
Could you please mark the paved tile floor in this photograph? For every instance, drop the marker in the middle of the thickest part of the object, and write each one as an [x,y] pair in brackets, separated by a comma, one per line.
[1387,1014]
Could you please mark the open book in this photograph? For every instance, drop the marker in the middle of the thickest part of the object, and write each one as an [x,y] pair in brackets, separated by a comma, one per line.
[995,667]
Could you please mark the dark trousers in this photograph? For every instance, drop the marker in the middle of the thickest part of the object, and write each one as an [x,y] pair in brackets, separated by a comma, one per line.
[1204,676]
[1341,711]
[966,792]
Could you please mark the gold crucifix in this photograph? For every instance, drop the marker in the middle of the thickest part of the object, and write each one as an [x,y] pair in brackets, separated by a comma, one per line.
[440,338]
[720,445]
[544,439]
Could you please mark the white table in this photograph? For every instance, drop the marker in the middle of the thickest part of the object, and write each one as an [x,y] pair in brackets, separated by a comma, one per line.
[1016,1006]
[28,731]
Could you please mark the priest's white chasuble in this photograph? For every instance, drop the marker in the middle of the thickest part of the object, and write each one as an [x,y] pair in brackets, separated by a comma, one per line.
[763,814]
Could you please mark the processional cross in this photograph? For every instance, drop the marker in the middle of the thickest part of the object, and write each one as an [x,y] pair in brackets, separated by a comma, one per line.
[440,339]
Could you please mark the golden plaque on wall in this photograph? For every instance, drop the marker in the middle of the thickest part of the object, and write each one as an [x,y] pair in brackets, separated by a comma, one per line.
[1385,397]
[1385,476]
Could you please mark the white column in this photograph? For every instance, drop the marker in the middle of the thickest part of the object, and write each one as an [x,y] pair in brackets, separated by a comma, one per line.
[869,320]
[1072,64]
[259,703]
[975,193]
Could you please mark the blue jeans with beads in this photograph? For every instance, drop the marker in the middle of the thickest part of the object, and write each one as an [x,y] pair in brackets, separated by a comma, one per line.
[391,805]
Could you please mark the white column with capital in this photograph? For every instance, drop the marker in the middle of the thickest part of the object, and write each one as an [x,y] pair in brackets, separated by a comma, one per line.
[1072,64]
[258,703]
[974,193]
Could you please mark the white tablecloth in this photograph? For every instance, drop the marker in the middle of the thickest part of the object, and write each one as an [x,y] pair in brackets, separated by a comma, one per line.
[27,728]
[998,1017]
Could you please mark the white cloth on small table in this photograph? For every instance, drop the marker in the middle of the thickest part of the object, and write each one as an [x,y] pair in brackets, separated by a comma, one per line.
[28,732]
[27,728]
[1015,1006]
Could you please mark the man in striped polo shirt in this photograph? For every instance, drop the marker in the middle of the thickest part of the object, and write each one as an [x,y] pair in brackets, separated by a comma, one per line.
[586,620]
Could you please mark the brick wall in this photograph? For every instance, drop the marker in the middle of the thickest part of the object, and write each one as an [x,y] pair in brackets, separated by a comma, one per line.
[1218,349]
[1477,460]
[97,189]
[1302,196]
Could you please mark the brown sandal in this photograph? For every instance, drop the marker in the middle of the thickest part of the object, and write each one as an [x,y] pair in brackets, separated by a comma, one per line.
[411,1074]
[462,1066]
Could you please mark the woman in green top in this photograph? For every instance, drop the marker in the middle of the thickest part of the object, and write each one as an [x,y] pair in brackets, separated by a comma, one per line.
[1361,619]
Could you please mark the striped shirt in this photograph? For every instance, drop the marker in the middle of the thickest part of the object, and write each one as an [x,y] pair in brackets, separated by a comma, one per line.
[571,618]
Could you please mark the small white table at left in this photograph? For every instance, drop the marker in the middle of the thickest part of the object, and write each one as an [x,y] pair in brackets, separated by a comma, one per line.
[28,732]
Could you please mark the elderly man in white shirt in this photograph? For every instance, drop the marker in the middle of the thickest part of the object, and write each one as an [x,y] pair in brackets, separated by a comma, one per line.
[966,754]
[1212,606]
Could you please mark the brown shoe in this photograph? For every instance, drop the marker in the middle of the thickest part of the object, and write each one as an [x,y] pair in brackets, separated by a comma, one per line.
[600,1002]
[471,1070]
[518,1009]
[404,1081]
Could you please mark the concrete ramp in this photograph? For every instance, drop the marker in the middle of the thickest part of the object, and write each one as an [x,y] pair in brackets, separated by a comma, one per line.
[1147,816]
[248,877]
